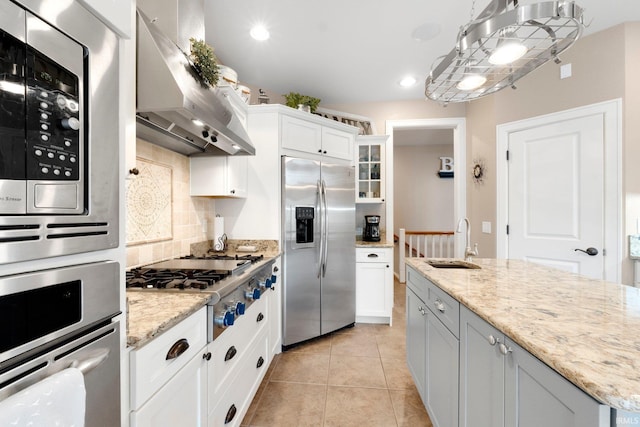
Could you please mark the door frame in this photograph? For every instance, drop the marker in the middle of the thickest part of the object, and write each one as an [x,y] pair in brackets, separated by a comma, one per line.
[613,241]
[459,127]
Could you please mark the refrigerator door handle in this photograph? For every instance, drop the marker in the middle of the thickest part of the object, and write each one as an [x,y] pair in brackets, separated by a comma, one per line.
[320,217]
[325,228]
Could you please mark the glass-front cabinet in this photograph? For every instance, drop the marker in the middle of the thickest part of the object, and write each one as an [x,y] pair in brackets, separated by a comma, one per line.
[370,178]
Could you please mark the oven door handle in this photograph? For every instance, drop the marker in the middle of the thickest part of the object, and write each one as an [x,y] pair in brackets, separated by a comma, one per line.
[93,361]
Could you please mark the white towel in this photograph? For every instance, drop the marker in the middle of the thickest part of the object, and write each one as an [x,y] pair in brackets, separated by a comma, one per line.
[56,401]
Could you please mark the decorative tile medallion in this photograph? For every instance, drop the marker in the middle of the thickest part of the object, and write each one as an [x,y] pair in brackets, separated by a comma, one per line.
[149,203]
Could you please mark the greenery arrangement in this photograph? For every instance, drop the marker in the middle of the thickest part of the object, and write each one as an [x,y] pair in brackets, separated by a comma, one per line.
[294,99]
[204,61]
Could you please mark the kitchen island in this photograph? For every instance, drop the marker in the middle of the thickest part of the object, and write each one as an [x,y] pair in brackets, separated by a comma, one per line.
[584,329]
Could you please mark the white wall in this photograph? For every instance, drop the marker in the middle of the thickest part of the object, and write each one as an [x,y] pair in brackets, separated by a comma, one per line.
[423,200]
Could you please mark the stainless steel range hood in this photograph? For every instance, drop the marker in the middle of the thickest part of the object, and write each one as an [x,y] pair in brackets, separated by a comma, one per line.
[174,108]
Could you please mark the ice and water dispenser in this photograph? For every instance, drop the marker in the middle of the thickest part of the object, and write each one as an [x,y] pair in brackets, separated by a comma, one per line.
[304,224]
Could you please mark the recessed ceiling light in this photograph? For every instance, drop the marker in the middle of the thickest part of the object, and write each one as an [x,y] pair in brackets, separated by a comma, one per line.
[197,122]
[408,81]
[426,31]
[259,32]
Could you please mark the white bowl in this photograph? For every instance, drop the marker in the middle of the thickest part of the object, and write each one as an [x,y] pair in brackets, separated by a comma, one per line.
[244,92]
[228,76]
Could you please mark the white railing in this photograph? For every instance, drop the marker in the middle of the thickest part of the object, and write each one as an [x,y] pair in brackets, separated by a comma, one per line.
[424,244]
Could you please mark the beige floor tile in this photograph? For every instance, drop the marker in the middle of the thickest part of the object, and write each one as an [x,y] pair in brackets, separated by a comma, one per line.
[356,371]
[302,367]
[365,368]
[392,347]
[397,374]
[320,345]
[358,407]
[354,344]
[409,409]
[291,404]
[359,329]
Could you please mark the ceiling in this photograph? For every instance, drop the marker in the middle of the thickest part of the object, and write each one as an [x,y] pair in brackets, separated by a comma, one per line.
[347,51]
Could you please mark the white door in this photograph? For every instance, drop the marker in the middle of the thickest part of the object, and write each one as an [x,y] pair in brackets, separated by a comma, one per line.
[556,195]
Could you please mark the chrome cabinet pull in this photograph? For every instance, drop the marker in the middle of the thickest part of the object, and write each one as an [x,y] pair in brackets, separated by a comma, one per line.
[439,305]
[504,349]
[493,340]
[177,348]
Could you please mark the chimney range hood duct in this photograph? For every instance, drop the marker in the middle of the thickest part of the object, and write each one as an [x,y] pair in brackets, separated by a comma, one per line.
[174,108]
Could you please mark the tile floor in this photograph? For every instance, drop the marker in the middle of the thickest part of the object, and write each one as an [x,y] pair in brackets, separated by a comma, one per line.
[354,377]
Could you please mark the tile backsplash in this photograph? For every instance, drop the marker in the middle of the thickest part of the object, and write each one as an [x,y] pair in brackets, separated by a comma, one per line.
[189,215]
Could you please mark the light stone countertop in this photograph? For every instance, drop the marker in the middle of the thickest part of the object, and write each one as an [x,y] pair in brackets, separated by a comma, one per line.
[381,244]
[587,330]
[152,313]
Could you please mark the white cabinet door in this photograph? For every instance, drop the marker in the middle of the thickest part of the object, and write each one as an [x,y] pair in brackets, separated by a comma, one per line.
[370,170]
[237,179]
[219,176]
[338,144]
[313,138]
[374,285]
[301,135]
[180,402]
[416,340]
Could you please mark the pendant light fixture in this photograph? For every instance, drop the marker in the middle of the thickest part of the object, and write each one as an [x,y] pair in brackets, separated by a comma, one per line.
[503,44]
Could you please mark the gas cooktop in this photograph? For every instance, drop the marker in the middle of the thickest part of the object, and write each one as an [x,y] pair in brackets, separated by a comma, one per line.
[189,272]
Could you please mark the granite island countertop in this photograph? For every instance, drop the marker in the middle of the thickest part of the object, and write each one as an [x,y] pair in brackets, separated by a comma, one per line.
[152,312]
[587,330]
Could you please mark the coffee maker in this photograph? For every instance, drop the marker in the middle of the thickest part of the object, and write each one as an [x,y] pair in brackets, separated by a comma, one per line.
[371,228]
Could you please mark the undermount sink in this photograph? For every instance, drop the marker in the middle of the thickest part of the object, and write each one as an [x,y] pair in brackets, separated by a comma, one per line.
[452,264]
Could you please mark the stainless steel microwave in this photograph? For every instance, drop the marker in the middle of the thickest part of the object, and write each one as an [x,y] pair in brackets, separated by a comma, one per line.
[58,131]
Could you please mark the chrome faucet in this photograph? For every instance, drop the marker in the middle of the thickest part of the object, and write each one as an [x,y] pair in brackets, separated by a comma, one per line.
[468,253]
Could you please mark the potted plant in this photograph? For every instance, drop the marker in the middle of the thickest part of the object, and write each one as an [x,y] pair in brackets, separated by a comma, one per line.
[204,61]
[295,100]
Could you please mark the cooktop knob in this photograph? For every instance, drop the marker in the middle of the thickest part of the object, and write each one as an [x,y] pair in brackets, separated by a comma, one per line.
[225,319]
[267,283]
[240,307]
[273,278]
[252,294]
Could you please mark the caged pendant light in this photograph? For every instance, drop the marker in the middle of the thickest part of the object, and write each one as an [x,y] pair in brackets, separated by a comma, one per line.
[504,43]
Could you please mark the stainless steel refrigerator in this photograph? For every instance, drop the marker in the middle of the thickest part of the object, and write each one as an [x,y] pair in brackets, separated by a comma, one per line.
[318,234]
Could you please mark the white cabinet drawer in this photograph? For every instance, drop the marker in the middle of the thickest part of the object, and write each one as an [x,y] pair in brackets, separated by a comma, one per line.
[231,405]
[150,368]
[374,254]
[228,349]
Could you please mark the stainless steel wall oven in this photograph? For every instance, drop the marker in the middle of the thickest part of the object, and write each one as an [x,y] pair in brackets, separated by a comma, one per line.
[59,318]
[58,131]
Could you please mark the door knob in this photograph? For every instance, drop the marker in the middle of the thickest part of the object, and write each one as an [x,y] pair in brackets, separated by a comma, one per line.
[589,251]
